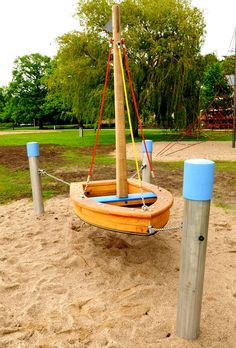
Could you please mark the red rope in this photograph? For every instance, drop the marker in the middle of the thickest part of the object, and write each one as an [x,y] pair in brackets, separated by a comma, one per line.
[135,103]
[101,109]
[186,147]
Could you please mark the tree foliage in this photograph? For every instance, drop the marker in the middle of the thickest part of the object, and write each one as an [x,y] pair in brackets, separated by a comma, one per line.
[2,101]
[163,40]
[228,65]
[25,97]
[215,85]
[78,75]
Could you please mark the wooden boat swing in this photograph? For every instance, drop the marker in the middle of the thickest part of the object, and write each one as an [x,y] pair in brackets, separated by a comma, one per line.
[122,205]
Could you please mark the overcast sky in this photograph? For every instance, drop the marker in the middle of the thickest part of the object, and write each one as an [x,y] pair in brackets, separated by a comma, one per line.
[30,26]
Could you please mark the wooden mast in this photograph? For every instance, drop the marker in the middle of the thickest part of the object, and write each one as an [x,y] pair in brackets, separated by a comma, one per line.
[121,163]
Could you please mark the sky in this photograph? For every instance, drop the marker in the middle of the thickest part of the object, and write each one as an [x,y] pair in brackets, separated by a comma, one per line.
[32,26]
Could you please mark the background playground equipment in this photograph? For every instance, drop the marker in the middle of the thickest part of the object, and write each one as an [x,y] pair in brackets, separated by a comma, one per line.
[218,115]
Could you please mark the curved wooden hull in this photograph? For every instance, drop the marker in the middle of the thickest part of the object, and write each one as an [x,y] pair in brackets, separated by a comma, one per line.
[129,217]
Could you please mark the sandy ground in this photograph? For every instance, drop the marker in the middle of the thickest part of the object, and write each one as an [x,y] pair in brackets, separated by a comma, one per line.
[29,131]
[66,284]
[179,151]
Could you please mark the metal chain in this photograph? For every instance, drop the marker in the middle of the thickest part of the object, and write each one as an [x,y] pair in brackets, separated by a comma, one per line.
[141,168]
[43,172]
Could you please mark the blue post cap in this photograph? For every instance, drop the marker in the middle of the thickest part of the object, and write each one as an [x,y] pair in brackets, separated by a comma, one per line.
[198,179]
[148,145]
[32,149]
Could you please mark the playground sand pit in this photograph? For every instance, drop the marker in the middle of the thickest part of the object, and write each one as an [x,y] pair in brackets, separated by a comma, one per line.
[66,284]
[181,150]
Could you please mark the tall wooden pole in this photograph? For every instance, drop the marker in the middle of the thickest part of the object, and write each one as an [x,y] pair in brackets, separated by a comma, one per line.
[234,114]
[121,163]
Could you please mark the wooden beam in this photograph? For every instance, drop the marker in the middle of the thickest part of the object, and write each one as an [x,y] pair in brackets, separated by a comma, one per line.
[121,162]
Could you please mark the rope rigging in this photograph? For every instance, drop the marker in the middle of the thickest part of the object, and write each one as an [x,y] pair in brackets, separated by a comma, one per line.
[135,104]
[100,113]
[128,113]
[144,207]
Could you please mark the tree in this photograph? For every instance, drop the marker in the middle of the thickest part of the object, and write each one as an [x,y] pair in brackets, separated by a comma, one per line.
[2,101]
[25,99]
[215,86]
[78,75]
[163,40]
[192,90]
[228,65]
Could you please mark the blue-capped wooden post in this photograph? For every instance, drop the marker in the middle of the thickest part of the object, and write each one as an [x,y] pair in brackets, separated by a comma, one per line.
[33,155]
[197,191]
[146,171]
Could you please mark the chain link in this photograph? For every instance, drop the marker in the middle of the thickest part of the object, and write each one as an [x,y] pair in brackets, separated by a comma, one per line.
[44,172]
[141,168]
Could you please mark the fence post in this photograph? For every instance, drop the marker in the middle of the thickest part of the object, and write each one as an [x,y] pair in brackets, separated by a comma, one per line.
[146,171]
[197,191]
[81,132]
[33,154]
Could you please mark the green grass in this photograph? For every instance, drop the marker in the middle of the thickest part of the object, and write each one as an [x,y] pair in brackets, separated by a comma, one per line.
[220,166]
[72,158]
[13,185]
[64,138]
[225,166]
[107,137]
[224,206]
[170,165]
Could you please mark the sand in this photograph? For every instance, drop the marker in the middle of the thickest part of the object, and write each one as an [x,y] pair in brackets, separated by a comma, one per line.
[182,150]
[66,284]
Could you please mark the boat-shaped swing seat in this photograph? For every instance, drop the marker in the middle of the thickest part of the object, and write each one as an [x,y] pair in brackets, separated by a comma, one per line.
[99,206]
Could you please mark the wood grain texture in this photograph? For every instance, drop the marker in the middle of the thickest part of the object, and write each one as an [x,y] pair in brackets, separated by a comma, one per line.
[36,185]
[116,217]
[121,162]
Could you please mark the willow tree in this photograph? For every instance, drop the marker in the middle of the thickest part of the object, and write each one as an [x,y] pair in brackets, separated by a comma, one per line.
[78,75]
[163,39]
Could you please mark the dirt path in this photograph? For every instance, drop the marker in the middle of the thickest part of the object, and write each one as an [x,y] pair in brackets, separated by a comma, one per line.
[179,151]
[29,131]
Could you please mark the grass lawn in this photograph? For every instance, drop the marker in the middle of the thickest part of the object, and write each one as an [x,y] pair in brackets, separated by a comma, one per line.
[66,155]
[107,137]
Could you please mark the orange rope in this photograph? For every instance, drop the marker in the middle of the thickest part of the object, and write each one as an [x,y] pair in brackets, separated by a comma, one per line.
[101,111]
[135,104]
